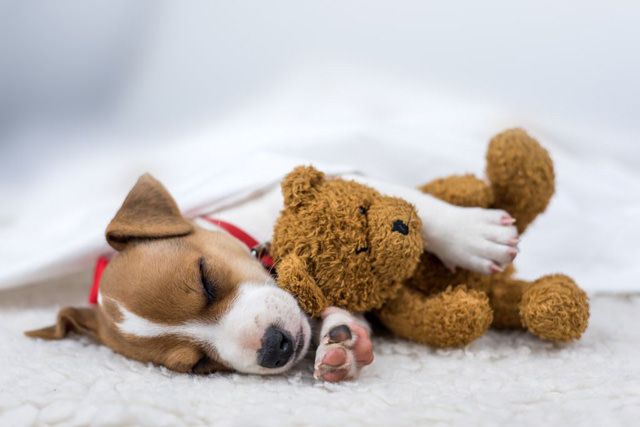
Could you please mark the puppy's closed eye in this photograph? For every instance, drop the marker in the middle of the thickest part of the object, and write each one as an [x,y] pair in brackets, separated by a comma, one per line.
[208,286]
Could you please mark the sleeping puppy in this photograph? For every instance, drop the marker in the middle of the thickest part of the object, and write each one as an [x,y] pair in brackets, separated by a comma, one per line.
[192,297]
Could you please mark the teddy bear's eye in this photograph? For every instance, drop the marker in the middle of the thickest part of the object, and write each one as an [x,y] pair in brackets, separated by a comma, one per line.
[363,210]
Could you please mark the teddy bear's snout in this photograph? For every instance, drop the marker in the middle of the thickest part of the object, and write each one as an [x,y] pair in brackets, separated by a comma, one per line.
[400,226]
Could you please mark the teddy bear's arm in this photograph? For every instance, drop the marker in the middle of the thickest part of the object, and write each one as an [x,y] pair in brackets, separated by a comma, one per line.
[294,278]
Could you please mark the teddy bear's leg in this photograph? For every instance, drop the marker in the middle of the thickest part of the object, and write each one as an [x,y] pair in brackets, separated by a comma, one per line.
[554,308]
[294,278]
[460,190]
[451,318]
[521,174]
[505,295]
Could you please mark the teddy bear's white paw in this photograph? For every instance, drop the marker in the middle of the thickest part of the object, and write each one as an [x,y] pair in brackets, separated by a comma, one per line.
[344,346]
[481,240]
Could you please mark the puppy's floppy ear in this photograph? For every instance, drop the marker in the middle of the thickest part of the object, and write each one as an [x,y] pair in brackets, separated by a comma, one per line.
[300,184]
[82,321]
[148,212]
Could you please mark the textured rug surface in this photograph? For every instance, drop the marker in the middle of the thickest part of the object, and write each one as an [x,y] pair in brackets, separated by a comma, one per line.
[503,378]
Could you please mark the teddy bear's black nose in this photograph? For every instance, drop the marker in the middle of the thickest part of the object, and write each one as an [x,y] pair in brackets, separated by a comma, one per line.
[400,227]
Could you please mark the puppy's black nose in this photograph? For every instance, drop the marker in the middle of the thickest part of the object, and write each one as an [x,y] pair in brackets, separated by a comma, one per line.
[277,348]
[400,227]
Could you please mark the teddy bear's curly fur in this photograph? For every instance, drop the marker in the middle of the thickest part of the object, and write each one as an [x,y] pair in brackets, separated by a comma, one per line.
[445,309]
[340,243]
[337,243]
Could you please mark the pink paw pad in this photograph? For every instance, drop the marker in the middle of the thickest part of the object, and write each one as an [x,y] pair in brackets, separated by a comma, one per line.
[335,357]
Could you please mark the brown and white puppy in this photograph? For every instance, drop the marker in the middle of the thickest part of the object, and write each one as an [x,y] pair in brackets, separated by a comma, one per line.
[196,300]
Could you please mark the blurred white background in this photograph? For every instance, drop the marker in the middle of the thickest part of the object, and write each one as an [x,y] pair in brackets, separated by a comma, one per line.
[93,93]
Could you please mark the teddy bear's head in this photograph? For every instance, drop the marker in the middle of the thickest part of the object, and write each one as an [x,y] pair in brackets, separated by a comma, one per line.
[357,245]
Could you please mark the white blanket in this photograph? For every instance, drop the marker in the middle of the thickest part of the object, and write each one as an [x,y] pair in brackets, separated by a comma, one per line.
[43,244]
[501,379]
[53,223]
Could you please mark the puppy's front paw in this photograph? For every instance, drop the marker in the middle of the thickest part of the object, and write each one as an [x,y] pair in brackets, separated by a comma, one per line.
[345,347]
[480,240]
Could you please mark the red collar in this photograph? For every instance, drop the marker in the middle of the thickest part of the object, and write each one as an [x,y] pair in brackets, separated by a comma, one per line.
[257,250]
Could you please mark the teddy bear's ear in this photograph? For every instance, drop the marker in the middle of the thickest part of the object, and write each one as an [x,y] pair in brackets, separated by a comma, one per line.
[300,184]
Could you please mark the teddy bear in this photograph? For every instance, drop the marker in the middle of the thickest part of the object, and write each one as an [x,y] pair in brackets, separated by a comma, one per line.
[442,308]
[342,243]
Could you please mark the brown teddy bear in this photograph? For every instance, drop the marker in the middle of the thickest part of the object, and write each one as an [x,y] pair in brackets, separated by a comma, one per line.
[444,309]
[341,243]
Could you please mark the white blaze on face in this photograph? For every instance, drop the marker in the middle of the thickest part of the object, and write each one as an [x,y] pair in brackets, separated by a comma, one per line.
[237,336]
[239,332]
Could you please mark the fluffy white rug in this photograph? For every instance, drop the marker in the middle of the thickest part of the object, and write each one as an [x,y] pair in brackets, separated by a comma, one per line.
[502,378]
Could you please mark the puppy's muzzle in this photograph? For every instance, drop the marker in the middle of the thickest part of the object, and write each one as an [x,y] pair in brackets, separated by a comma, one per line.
[277,348]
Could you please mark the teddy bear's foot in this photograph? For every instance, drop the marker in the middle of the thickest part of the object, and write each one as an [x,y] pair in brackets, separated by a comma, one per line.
[452,318]
[521,174]
[554,308]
